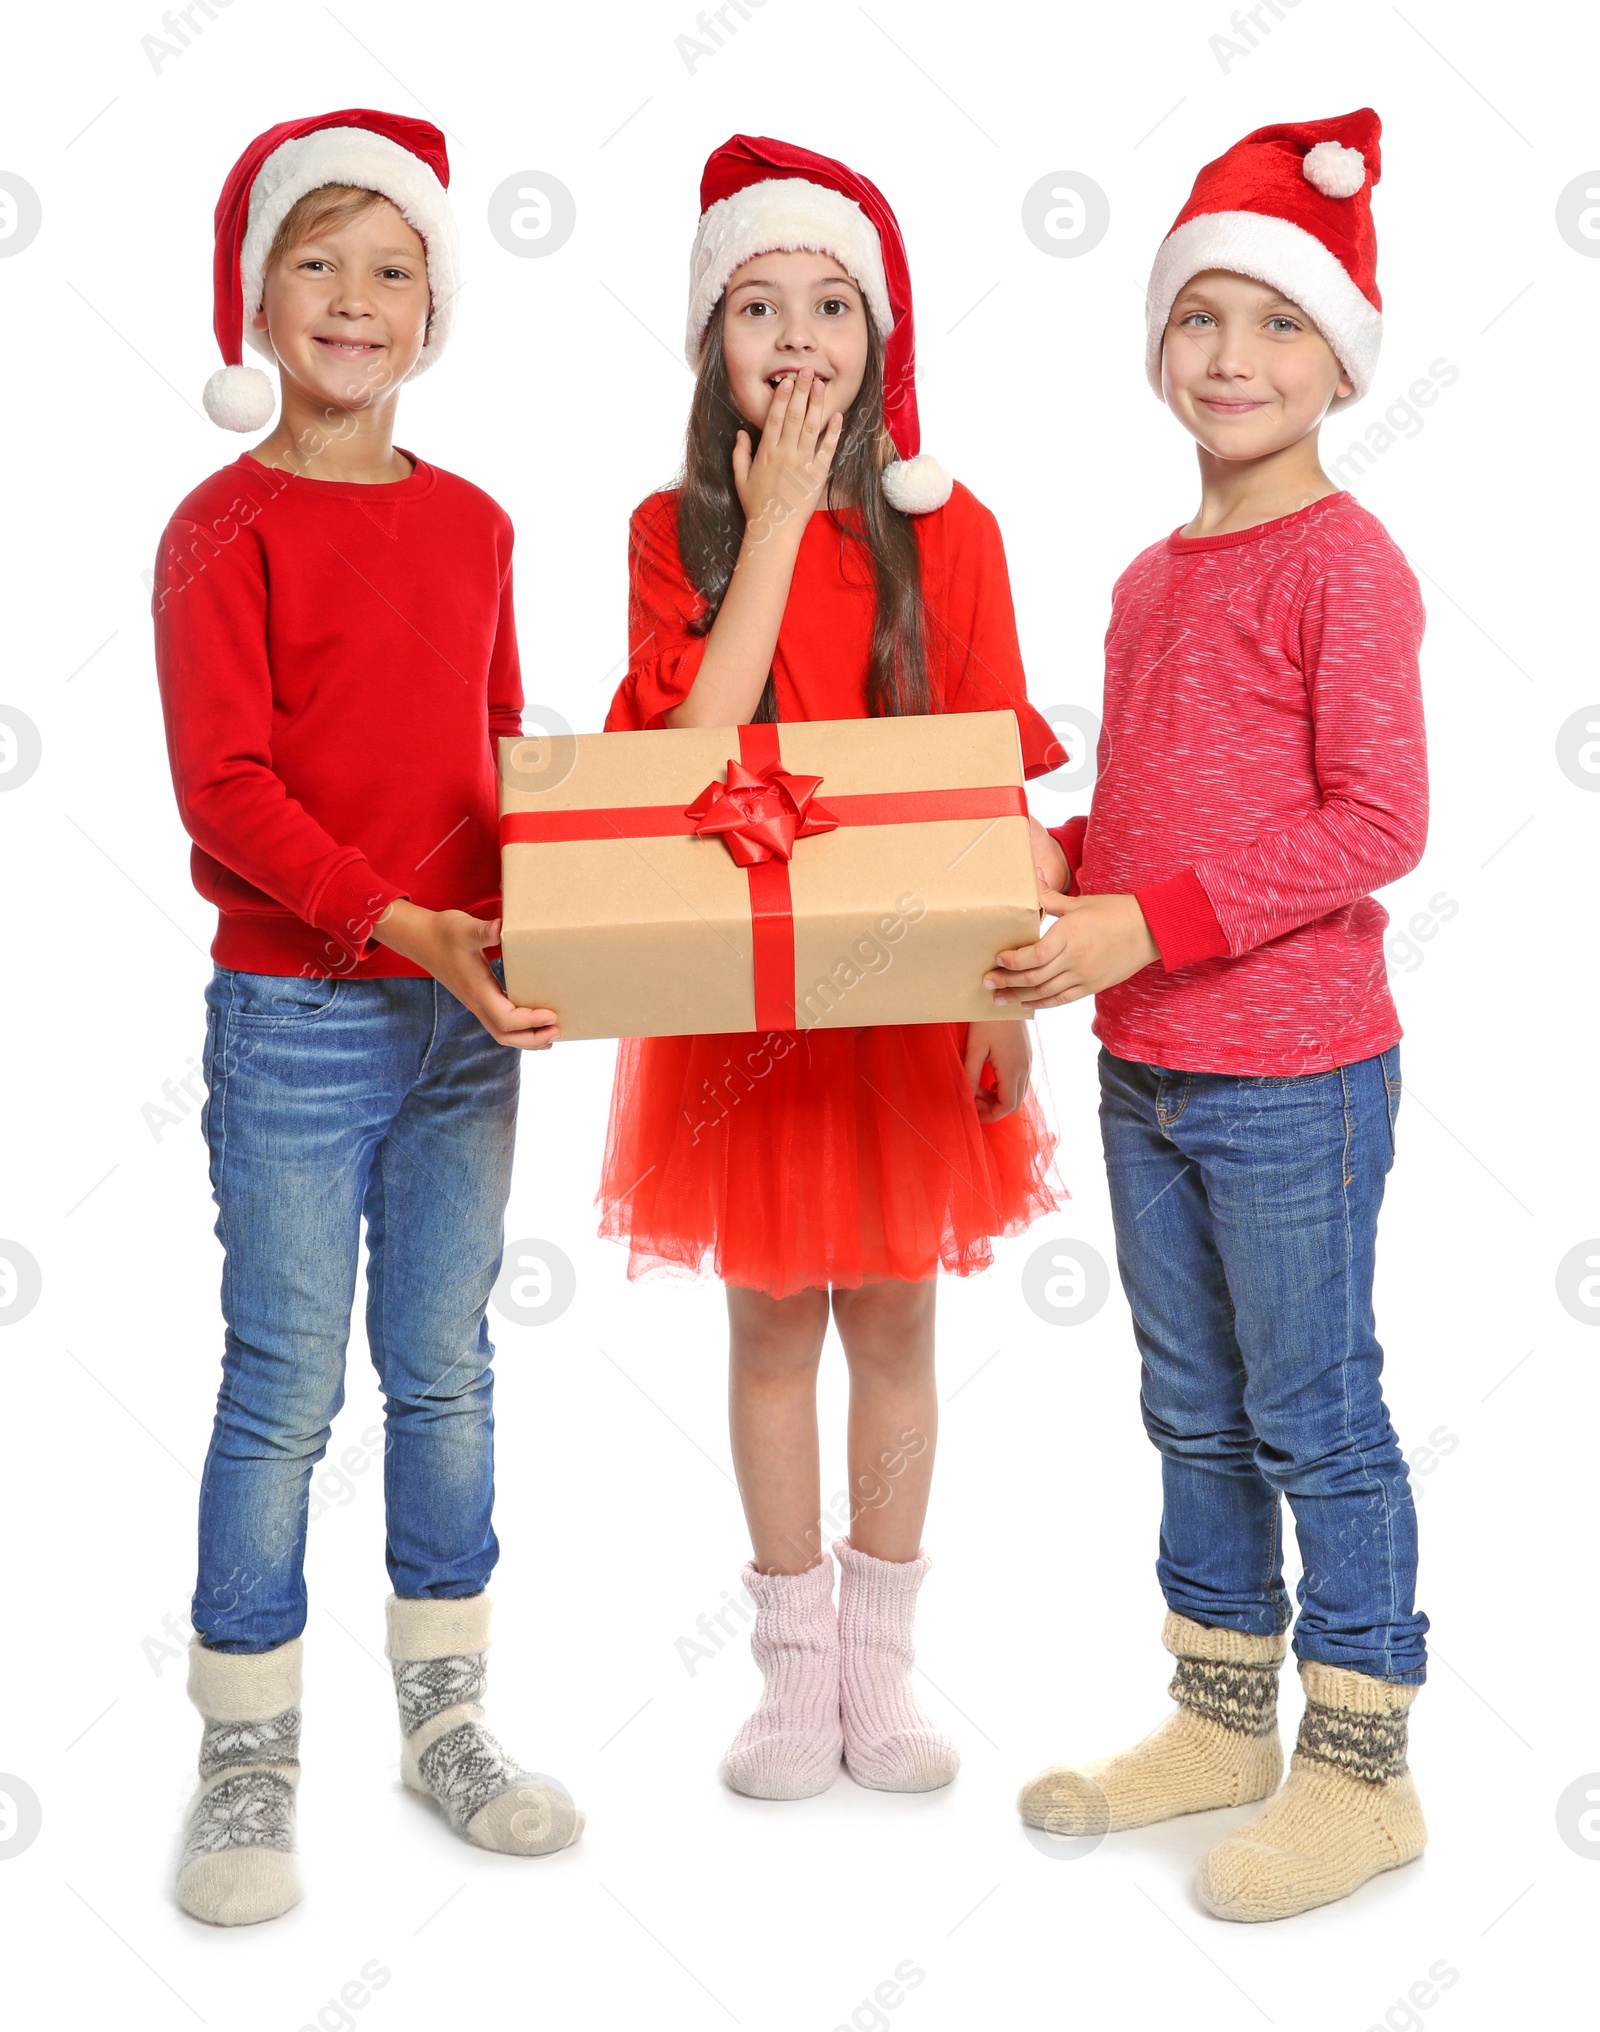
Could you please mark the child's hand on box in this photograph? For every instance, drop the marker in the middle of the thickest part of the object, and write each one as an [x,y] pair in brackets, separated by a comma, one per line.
[1008,1050]
[451,945]
[1049,861]
[1095,942]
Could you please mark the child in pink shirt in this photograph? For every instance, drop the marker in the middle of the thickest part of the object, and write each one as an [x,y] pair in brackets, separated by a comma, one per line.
[1262,770]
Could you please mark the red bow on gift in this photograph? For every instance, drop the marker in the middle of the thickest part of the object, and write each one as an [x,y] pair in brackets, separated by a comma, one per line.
[759,813]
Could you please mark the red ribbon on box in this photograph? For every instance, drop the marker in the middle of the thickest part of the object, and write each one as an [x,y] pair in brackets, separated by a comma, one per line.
[759,814]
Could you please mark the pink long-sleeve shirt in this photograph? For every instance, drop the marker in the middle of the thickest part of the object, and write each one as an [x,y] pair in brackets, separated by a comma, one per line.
[1262,769]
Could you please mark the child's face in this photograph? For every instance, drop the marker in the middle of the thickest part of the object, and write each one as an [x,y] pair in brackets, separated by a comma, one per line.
[782,312]
[1243,369]
[347,309]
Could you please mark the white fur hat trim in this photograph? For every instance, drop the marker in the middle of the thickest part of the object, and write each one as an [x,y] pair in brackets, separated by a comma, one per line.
[240,398]
[781,214]
[366,161]
[917,486]
[1275,252]
[1336,171]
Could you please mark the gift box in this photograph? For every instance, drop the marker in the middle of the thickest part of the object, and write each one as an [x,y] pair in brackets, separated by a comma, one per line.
[821,874]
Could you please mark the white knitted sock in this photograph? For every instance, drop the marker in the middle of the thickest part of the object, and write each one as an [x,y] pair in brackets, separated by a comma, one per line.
[889,1743]
[789,1748]
[1349,1809]
[238,1863]
[437,1650]
[1220,1748]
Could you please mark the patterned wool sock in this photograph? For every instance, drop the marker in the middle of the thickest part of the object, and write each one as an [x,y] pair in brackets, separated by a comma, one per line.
[238,1863]
[889,1743]
[1349,1810]
[437,1650]
[1221,1748]
[789,1748]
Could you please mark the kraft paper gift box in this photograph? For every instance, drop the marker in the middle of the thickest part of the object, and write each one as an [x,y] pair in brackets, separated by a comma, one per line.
[821,874]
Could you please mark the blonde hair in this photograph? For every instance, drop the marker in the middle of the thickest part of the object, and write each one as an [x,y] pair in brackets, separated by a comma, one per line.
[323,210]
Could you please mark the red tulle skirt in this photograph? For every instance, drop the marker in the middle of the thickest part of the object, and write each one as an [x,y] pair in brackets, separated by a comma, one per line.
[827,1157]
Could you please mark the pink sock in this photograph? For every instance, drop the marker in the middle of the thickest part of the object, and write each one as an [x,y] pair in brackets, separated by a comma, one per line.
[889,1743]
[789,1748]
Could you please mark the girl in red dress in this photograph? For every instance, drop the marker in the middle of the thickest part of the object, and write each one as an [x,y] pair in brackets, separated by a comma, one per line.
[812,566]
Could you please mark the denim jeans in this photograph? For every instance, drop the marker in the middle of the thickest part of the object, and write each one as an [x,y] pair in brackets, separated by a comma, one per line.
[1246,1214]
[329,1100]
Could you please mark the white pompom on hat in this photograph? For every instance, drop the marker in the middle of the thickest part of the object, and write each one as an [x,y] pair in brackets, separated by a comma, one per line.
[1290,206]
[759,196]
[403,160]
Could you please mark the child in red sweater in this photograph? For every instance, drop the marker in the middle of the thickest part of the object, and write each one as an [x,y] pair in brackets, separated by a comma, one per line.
[811,566]
[336,653]
[1262,770]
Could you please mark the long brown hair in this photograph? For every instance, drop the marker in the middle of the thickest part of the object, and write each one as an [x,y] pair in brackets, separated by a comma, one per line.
[711,523]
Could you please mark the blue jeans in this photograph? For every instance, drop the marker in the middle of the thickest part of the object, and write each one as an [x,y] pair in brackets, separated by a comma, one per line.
[329,1100]
[1246,1213]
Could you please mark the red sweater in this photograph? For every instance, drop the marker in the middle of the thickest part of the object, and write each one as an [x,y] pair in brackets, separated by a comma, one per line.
[335,663]
[820,664]
[1262,769]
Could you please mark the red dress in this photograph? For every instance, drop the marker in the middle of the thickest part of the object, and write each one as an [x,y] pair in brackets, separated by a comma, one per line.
[827,1156]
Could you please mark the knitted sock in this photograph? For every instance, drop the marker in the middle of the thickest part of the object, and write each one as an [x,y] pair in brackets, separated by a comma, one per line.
[889,1743]
[789,1748]
[238,1863]
[437,1650]
[1221,1748]
[1349,1810]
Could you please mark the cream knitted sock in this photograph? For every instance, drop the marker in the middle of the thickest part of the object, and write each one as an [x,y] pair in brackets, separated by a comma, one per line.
[1221,1748]
[1349,1810]
[238,1862]
[437,1650]
[889,1743]
[789,1748]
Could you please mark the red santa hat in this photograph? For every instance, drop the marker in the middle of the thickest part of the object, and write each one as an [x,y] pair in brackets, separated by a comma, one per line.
[759,196]
[1290,206]
[404,160]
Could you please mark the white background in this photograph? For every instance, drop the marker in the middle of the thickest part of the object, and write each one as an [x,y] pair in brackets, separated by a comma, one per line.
[564,394]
